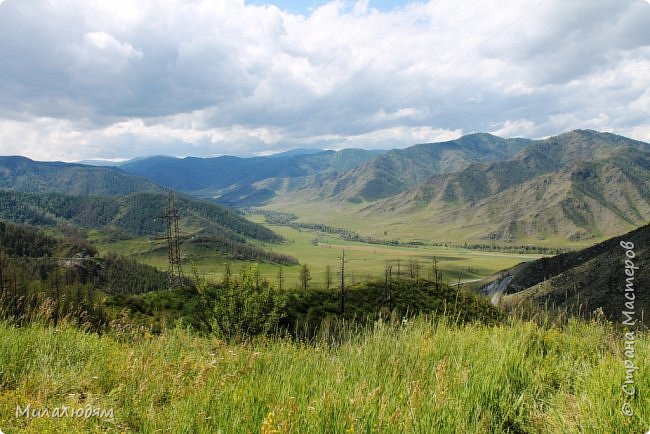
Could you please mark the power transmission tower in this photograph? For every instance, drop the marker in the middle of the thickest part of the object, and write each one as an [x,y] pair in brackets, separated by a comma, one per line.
[174,271]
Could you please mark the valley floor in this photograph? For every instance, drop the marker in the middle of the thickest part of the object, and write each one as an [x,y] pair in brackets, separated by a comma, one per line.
[404,227]
[317,250]
[422,376]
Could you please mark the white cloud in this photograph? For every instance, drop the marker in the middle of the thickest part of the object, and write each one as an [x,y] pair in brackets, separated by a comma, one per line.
[517,128]
[103,49]
[399,137]
[94,79]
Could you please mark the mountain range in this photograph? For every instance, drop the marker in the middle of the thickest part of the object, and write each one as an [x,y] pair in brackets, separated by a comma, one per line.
[397,170]
[349,174]
[245,181]
[582,186]
[577,186]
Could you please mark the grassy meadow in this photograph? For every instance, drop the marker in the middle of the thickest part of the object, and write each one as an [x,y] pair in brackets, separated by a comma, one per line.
[317,250]
[420,376]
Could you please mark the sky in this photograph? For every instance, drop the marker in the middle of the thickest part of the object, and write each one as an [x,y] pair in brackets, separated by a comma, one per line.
[91,79]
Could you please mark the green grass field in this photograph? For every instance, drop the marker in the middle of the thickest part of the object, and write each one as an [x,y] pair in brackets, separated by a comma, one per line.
[317,250]
[370,259]
[421,377]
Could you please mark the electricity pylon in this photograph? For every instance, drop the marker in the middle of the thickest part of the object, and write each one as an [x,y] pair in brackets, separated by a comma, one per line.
[175,270]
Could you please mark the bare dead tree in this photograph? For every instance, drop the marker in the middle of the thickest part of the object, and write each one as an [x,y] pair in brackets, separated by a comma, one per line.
[280,278]
[305,277]
[342,275]
[389,285]
[328,276]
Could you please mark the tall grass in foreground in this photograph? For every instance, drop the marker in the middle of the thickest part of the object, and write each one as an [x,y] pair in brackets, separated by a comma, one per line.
[423,376]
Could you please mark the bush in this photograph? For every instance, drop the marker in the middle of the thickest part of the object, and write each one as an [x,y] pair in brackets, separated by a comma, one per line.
[241,307]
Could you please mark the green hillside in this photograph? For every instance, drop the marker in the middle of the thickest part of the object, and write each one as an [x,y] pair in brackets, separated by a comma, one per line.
[63,277]
[405,358]
[23,174]
[581,282]
[135,214]
[203,224]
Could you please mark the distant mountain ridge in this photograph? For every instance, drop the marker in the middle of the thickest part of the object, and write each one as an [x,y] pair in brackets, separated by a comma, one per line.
[481,180]
[22,174]
[578,185]
[397,170]
[126,205]
[349,174]
[233,180]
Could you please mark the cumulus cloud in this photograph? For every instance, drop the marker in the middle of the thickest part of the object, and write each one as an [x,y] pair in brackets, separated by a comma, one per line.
[90,79]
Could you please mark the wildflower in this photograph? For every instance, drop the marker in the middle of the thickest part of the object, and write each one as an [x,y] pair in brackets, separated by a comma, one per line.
[268,424]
